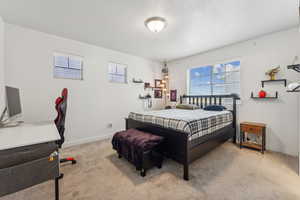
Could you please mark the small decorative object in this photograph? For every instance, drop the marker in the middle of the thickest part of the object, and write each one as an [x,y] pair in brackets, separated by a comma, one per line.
[137,80]
[157,83]
[146,85]
[158,94]
[273,72]
[293,86]
[173,95]
[262,94]
[148,96]
[294,66]
[165,69]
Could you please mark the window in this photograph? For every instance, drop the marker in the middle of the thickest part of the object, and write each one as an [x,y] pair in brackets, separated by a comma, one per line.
[68,66]
[215,79]
[117,73]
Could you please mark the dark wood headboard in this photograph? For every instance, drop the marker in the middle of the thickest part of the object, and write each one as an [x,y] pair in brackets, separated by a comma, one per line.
[205,100]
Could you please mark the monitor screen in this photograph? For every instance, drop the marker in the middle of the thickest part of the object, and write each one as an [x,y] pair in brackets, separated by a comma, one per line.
[13,101]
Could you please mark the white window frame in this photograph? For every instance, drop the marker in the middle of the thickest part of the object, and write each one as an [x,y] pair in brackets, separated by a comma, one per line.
[68,56]
[212,64]
[124,66]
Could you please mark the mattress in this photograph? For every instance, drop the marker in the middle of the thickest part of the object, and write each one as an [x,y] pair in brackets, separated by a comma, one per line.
[194,123]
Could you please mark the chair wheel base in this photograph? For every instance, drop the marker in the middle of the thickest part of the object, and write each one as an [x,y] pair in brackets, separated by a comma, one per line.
[72,160]
[61,176]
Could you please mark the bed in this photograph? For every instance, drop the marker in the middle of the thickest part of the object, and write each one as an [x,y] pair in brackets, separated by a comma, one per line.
[190,134]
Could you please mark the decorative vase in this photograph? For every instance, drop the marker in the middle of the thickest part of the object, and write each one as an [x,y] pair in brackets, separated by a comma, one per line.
[262,94]
[272,77]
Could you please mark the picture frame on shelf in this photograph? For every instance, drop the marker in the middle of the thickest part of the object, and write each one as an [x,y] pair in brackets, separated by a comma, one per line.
[146,84]
[173,95]
[157,83]
[158,94]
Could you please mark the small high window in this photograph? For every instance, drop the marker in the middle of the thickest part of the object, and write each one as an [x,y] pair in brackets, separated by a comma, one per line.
[117,73]
[68,66]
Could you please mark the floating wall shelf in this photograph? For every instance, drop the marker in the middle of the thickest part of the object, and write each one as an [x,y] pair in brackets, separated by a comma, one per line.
[277,80]
[294,67]
[145,97]
[268,97]
[137,81]
[293,90]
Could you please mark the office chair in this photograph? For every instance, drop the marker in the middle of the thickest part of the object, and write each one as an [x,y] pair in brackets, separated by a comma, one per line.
[61,108]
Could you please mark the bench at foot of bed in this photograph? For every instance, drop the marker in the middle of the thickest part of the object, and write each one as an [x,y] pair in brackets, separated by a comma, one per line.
[139,148]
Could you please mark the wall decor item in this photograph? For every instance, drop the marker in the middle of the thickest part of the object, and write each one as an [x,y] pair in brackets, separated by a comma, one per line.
[276,80]
[294,66]
[146,85]
[266,97]
[158,94]
[157,83]
[294,87]
[262,94]
[165,69]
[173,95]
[273,72]
[137,80]
[147,96]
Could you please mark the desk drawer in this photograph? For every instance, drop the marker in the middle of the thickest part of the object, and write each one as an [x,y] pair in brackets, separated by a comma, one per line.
[22,176]
[251,129]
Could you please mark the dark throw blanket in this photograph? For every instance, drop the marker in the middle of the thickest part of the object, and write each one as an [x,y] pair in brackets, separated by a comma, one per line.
[133,143]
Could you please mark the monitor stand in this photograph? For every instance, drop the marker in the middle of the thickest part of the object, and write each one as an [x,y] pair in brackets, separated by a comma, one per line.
[6,123]
[9,124]
[3,115]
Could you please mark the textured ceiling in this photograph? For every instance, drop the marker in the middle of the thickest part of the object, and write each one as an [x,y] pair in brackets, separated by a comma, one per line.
[194,26]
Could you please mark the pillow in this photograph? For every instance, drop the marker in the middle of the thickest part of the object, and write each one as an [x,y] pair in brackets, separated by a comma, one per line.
[187,106]
[215,108]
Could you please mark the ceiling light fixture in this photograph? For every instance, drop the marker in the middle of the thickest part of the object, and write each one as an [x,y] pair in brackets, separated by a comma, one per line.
[156,24]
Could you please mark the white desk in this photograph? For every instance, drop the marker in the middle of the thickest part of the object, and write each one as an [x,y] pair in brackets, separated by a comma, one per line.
[28,134]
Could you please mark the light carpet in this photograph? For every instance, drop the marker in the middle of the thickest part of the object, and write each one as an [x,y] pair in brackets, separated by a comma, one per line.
[226,173]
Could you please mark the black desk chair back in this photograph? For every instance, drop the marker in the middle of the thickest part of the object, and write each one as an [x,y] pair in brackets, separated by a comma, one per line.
[61,108]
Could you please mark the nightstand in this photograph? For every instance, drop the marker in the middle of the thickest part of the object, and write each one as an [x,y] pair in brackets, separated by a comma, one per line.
[257,129]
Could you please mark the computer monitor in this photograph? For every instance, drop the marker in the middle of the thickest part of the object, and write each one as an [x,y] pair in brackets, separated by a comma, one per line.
[13,102]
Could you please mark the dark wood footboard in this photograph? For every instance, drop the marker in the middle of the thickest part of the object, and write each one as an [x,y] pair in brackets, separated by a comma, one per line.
[177,146]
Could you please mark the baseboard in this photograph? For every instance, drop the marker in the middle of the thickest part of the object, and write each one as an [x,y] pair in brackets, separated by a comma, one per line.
[86,140]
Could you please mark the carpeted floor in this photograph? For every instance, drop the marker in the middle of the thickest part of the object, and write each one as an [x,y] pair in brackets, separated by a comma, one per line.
[227,173]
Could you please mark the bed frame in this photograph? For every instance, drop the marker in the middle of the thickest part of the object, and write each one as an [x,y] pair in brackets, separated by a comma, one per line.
[176,144]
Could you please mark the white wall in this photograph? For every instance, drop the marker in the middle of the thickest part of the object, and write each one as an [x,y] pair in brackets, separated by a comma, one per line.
[93,102]
[257,56]
[1,65]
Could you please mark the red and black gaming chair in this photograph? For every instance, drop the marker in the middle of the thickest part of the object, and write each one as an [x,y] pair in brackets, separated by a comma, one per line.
[61,108]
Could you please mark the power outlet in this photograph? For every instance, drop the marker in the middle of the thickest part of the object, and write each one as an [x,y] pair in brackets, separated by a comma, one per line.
[109,125]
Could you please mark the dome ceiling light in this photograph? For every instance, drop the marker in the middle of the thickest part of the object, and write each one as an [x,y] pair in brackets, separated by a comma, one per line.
[156,24]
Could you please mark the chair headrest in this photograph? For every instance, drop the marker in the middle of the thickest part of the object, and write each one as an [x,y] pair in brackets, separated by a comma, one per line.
[58,100]
[64,93]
